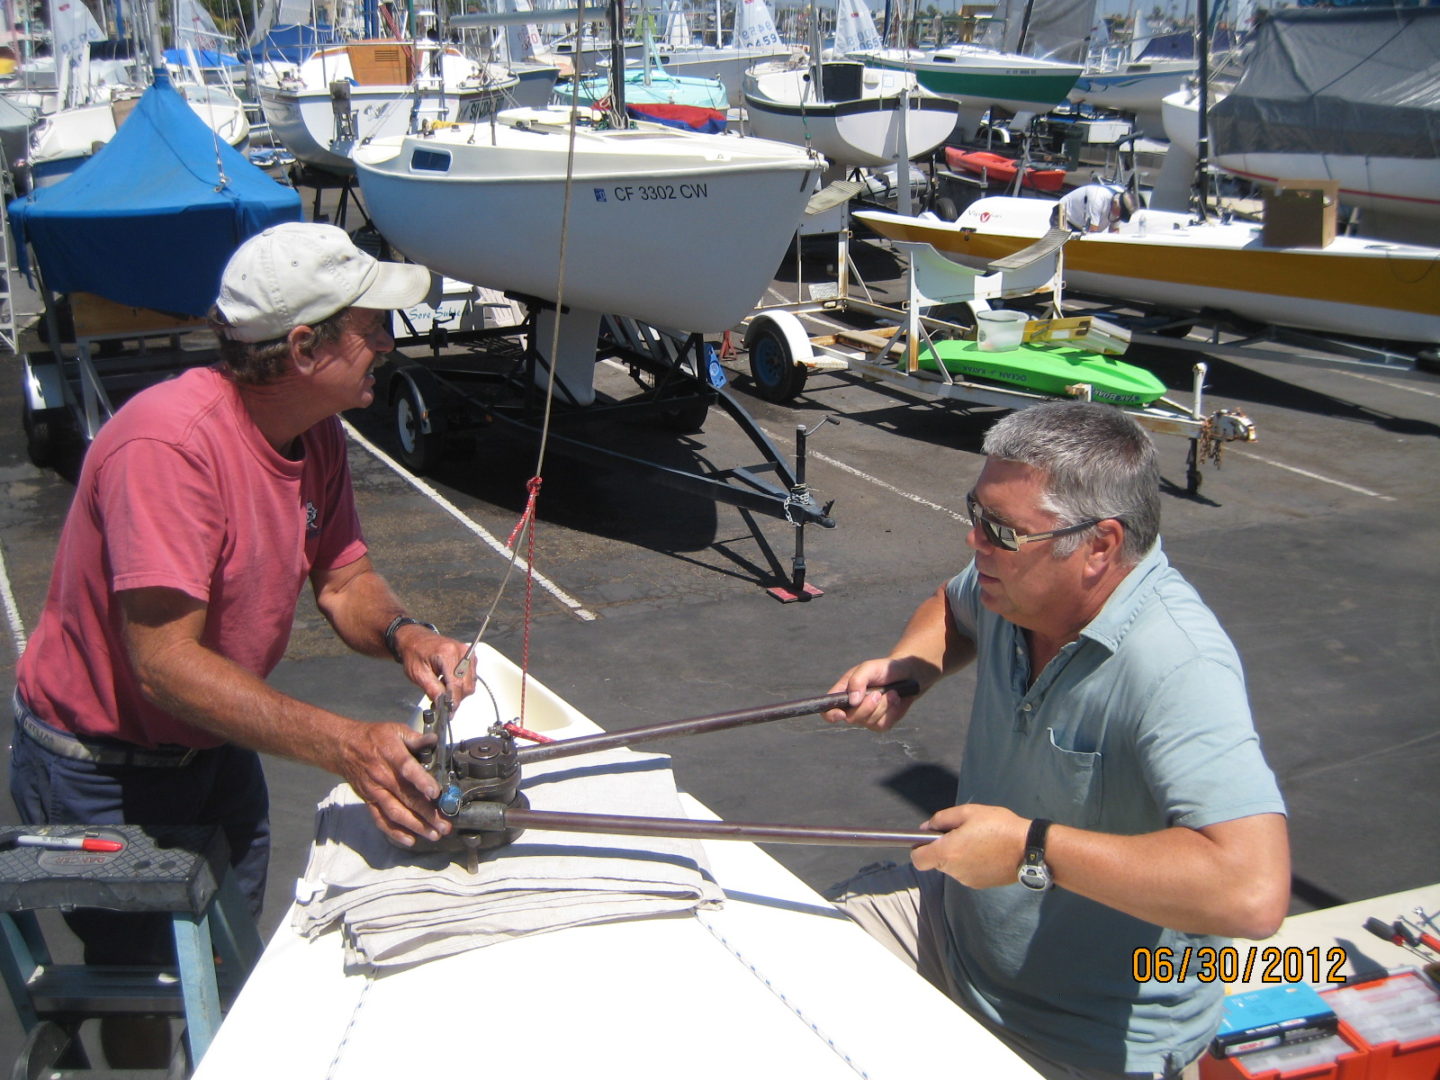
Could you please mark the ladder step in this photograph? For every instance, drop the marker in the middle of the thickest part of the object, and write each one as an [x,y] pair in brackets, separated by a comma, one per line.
[80,990]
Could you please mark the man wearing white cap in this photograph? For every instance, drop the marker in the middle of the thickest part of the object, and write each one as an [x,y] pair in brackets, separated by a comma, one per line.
[204,506]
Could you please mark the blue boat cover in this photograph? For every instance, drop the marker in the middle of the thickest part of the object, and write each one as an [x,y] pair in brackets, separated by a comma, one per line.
[289,44]
[151,219]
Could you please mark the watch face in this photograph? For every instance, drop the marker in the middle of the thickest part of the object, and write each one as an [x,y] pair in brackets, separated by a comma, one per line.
[1034,875]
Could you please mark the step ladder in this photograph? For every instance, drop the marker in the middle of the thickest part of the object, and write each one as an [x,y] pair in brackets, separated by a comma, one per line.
[180,870]
[9,337]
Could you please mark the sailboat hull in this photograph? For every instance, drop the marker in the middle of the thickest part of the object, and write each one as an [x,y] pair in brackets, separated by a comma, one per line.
[1354,286]
[680,230]
[860,130]
[979,77]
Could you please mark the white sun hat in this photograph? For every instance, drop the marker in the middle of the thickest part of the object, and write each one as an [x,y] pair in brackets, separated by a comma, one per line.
[300,273]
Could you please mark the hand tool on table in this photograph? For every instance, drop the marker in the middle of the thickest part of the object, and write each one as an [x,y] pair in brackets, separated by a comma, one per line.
[480,784]
[1418,935]
[1396,933]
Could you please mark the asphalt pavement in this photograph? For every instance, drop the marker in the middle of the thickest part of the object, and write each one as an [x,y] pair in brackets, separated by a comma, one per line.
[1316,546]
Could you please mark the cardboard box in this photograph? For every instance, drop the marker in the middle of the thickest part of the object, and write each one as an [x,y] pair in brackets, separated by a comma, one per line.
[1301,213]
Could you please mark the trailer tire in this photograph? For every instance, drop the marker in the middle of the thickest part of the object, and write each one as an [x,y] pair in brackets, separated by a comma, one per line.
[777,376]
[420,450]
[41,435]
[945,209]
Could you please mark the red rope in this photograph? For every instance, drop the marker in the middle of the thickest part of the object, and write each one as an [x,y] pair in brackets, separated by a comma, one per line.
[528,514]
[525,733]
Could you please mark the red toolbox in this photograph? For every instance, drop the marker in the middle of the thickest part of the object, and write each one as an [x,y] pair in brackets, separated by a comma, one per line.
[1397,1019]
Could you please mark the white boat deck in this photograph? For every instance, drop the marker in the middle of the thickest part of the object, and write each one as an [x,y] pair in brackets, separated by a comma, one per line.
[775,983]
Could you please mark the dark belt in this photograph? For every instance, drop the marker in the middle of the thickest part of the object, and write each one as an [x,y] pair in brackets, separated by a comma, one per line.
[71,746]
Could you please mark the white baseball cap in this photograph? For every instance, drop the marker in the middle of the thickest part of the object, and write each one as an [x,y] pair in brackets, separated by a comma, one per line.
[300,273]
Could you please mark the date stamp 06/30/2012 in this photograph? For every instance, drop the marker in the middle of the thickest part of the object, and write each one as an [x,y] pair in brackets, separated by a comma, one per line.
[1230,964]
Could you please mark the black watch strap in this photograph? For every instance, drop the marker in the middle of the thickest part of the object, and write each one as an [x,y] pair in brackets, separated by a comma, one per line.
[394,627]
[1034,872]
[1035,838]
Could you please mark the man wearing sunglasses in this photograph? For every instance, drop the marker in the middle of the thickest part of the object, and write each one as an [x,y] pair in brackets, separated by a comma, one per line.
[1113,801]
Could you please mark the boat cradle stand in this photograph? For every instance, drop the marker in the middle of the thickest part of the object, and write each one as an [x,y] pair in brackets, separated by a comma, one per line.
[442,397]
[783,353]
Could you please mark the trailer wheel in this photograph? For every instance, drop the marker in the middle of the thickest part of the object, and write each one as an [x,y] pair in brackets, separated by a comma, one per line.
[420,450]
[777,376]
[41,435]
[945,209]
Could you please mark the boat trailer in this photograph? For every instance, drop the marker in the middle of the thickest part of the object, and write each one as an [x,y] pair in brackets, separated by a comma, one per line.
[441,401]
[783,353]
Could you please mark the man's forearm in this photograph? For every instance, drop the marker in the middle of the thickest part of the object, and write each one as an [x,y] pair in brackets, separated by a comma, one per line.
[359,605]
[203,688]
[1232,879]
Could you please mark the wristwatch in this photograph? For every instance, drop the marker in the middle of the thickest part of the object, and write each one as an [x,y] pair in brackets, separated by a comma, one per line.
[396,624]
[1034,873]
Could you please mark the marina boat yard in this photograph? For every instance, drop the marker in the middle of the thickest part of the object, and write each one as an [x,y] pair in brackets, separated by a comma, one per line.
[1315,546]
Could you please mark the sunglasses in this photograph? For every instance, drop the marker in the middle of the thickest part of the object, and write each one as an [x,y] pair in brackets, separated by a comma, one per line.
[1003,536]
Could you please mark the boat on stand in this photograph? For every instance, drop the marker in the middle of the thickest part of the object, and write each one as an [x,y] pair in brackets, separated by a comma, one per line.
[979,76]
[345,95]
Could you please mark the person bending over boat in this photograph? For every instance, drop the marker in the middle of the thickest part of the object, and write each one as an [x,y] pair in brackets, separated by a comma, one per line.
[1113,802]
[1095,207]
[202,508]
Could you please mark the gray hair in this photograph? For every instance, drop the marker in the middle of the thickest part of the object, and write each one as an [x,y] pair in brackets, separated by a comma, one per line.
[1097,463]
[262,362]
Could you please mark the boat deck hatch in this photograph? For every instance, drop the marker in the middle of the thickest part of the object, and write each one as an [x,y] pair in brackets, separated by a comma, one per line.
[430,161]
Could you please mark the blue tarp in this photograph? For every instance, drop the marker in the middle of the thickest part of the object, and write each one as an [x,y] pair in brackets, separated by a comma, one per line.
[149,221]
[206,58]
[289,44]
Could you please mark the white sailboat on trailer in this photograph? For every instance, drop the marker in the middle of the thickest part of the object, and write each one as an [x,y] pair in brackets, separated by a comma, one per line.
[602,215]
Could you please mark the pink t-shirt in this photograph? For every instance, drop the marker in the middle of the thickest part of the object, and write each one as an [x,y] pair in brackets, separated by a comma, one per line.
[180,490]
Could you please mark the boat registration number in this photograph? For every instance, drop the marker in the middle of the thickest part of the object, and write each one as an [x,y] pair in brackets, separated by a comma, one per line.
[652,192]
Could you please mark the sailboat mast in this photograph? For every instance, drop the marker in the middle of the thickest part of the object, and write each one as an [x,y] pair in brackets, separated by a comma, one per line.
[617,63]
[1202,134]
[1024,28]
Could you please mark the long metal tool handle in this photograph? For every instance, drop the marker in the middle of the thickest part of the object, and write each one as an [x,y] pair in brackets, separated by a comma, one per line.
[720,721]
[492,817]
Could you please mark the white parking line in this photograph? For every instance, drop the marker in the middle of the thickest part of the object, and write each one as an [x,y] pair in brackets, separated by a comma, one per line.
[877,481]
[1391,385]
[459,515]
[1313,476]
[12,609]
[961,517]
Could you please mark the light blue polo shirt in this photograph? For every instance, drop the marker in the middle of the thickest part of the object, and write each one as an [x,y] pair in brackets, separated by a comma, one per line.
[1141,724]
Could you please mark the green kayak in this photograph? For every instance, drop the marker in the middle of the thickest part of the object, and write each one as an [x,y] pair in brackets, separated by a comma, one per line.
[1049,369]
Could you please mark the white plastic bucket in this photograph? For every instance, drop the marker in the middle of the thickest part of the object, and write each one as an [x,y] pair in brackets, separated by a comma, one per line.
[999,331]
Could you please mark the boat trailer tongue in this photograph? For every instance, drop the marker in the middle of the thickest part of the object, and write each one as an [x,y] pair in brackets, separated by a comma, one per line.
[480,785]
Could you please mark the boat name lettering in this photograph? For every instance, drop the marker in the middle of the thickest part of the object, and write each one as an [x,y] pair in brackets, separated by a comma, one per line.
[657,192]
